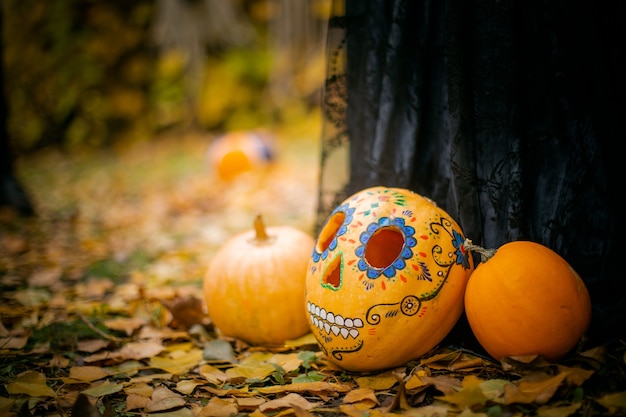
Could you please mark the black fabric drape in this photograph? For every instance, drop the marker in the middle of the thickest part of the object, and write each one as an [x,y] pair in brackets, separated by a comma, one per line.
[507,113]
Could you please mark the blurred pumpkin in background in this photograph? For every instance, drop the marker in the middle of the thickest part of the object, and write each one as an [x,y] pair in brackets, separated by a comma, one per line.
[234,153]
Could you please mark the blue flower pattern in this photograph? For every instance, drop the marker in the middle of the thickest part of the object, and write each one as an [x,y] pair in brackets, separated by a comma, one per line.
[461,254]
[405,254]
[348,211]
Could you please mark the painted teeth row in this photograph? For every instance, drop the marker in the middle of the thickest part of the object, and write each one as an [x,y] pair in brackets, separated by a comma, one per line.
[331,323]
[331,318]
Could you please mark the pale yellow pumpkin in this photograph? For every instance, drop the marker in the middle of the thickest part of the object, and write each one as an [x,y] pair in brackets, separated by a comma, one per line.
[386,280]
[254,285]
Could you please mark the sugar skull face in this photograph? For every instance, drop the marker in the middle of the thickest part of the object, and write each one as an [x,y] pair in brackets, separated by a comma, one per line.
[386,279]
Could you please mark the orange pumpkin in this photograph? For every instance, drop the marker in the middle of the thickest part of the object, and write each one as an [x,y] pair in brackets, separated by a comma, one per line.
[527,300]
[235,153]
[386,280]
[254,285]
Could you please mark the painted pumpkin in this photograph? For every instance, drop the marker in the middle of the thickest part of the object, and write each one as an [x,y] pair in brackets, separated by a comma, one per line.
[527,300]
[254,285]
[386,280]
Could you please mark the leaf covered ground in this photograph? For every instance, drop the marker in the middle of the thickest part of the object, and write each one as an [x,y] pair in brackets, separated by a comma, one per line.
[101,313]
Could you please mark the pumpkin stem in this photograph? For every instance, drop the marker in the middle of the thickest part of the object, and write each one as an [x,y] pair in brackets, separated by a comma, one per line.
[485,254]
[259,228]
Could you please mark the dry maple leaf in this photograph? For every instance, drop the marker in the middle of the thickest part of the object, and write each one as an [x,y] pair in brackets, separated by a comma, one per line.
[186,311]
[288,401]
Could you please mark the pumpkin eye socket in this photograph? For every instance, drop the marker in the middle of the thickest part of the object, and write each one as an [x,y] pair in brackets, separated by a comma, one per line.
[328,233]
[384,247]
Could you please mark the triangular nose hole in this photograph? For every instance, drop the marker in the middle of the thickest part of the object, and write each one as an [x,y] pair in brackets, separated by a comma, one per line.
[332,275]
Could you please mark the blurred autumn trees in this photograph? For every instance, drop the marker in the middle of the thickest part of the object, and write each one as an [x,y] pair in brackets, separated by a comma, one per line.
[88,72]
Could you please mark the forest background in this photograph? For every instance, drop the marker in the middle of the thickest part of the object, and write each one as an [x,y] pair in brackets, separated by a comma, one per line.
[81,72]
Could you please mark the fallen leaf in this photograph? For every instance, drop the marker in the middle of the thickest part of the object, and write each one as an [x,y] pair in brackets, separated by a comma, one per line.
[361,395]
[522,364]
[453,361]
[597,354]
[13,342]
[30,383]
[249,403]
[141,350]
[256,367]
[46,277]
[289,362]
[140,388]
[470,394]
[186,311]
[235,392]
[151,311]
[306,340]
[212,374]
[288,401]
[86,374]
[575,377]
[415,383]
[178,362]
[494,389]
[537,392]
[127,325]
[445,357]
[163,399]
[218,350]
[32,297]
[13,244]
[102,389]
[91,345]
[5,405]
[151,378]
[443,383]
[300,412]
[94,288]
[136,402]
[58,361]
[187,386]
[165,333]
[126,368]
[102,356]
[615,402]
[218,407]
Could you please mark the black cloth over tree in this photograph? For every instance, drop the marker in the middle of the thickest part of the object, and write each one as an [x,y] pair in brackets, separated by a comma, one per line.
[509,114]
